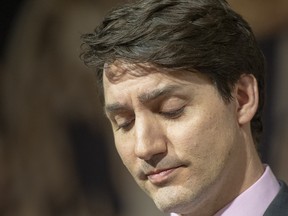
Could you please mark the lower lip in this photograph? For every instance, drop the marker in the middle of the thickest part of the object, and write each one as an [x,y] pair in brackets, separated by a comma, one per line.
[161,177]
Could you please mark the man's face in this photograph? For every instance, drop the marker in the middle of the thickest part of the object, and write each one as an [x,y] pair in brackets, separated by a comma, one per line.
[176,135]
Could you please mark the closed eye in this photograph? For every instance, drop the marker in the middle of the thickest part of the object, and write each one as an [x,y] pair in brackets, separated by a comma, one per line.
[173,114]
[125,126]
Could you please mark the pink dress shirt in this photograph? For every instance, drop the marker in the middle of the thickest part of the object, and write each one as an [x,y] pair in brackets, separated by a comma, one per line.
[255,200]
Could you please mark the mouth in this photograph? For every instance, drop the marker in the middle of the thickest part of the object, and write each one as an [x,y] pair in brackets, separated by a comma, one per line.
[162,176]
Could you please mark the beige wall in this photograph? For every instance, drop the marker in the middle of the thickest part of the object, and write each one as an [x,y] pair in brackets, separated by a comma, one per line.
[265,16]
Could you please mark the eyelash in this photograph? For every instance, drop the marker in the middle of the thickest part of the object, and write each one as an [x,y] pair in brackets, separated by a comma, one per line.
[173,114]
[125,126]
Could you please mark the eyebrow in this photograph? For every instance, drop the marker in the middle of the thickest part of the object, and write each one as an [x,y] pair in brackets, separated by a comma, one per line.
[143,98]
[115,107]
[149,96]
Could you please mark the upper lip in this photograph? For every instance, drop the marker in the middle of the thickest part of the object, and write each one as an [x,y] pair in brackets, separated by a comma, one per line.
[147,170]
[157,171]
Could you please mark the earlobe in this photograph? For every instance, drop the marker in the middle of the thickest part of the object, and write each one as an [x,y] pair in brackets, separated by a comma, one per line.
[247,97]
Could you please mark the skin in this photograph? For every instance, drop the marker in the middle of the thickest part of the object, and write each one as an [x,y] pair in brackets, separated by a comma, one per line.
[190,151]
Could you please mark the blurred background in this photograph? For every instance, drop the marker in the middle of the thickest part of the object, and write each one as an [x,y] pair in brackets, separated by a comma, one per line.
[57,156]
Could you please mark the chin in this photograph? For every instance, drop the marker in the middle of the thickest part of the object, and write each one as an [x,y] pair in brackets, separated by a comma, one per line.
[175,199]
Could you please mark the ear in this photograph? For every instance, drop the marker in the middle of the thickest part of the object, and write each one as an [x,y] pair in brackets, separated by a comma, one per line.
[247,98]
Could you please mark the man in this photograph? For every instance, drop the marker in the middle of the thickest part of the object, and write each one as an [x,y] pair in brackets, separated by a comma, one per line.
[183,85]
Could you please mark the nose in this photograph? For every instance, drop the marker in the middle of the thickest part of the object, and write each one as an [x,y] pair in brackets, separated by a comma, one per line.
[150,139]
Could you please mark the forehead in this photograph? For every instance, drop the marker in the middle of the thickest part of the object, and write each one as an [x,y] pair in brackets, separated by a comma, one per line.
[120,71]
[120,79]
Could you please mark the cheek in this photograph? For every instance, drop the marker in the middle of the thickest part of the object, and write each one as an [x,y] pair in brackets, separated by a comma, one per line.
[202,136]
[125,150]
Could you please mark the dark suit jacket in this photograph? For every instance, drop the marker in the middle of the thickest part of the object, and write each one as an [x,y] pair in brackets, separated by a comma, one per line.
[279,206]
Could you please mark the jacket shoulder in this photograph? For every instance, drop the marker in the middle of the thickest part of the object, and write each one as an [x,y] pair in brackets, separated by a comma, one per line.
[279,206]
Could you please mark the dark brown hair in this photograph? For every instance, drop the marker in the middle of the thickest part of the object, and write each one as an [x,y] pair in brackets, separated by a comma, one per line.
[202,35]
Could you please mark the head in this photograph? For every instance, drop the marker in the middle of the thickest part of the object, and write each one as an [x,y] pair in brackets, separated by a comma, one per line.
[189,61]
[202,35]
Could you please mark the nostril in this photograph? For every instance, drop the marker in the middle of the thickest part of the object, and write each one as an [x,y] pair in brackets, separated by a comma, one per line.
[155,159]
[151,149]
